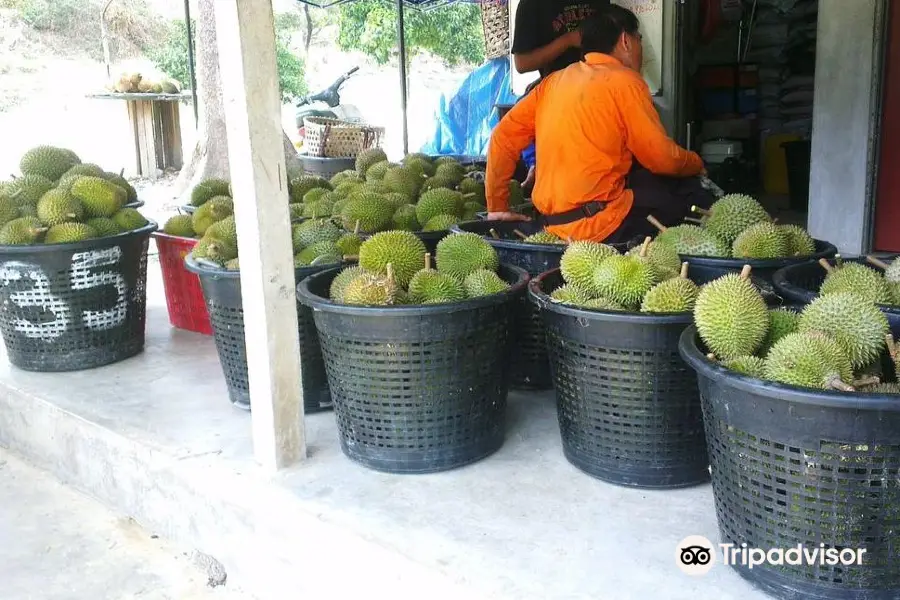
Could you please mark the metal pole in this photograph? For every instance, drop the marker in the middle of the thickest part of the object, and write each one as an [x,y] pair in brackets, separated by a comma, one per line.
[190,41]
[402,38]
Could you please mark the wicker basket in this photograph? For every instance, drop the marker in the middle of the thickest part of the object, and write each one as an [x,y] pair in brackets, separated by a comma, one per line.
[495,20]
[333,138]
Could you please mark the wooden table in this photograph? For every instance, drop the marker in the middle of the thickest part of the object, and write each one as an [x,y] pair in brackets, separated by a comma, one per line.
[156,126]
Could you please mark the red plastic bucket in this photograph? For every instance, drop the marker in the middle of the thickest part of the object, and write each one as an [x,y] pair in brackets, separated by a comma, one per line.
[184,296]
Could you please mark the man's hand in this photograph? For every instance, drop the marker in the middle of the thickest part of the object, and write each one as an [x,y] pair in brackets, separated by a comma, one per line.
[573,38]
[506,216]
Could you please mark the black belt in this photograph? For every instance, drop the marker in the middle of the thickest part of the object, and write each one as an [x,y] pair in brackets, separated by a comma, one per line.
[585,211]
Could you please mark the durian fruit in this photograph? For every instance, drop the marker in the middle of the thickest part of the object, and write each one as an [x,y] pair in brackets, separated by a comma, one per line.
[372,187]
[214,250]
[57,207]
[314,195]
[377,171]
[857,325]
[438,202]
[213,210]
[623,279]
[475,189]
[225,230]
[516,194]
[24,230]
[371,211]
[429,286]
[295,211]
[99,197]
[47,161]
[346,188]
[809,360]
[731,214]
[340,281]
[318,250]
[891,276]
[881,388]
[233,264]
[9,209]
[799,242]
[675,295]
[130,192]
[460,254]
[440,223]
[68,233]
[209,188]
[82,170]
[28,189]
[395,200]
[471,210]
[690,240]
[570,294]
[402,249]
[318,209]
[603,304]
[731,316]
[661,258]
[752,366]
[420,162]
[864,281]
[405,218]
[106,227]
[484,283]
[344,177]
[442,160]
[451,171]
[579,261]
[404,180]
[763,240]
[130,219]
[438,182]
[349,243]
[543,237]
[367,158]
[372,290]
[300,186]
[309,232]
[782,322]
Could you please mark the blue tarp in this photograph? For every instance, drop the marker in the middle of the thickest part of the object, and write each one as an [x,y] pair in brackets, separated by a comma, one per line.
[464,120]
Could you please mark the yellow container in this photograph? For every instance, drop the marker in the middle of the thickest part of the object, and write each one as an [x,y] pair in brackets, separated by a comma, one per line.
[775,178]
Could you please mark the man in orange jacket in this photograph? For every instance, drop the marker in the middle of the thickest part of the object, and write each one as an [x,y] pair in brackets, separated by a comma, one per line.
[591,122]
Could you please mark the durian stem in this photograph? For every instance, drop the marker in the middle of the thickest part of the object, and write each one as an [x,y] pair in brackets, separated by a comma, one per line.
[122,172]
[390,272]
[645,246]
[891,346]
[351,257]
[427,261]
[712,357]
[876,262]
[356,228]
[868,380]
[494,234]
[684,270]
[745,272]
[519,233]
[826,265]
[838,261]
[700,211]
[655,222]
[775,221]
[835,383]
[692,220]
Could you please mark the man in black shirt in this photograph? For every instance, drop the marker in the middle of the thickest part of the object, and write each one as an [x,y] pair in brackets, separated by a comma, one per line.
[547,38]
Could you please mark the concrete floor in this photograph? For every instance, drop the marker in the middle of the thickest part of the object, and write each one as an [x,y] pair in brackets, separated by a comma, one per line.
[155,437]
[60,545]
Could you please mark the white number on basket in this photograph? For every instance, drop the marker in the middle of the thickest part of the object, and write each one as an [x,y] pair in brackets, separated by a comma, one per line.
[38,296]
[83,278]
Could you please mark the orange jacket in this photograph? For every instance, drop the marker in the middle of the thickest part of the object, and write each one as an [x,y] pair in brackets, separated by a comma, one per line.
[588,122]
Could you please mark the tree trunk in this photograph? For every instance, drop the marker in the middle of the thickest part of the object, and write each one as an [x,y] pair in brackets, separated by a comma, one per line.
[309,28]
[210,155]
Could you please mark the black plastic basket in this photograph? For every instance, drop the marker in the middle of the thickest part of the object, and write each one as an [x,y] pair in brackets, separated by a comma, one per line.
[793,466]
[417,389]
[326,167]
[707,268]
[628,407]
[69,307]
[800,283]
[222,292]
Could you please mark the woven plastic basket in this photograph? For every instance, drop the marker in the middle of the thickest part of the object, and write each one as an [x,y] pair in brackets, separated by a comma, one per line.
[222,291]
[795,466]
[628,407]
[184,296]
[495,23]
[69,307]
[333,138]
[707,268]
[417,389]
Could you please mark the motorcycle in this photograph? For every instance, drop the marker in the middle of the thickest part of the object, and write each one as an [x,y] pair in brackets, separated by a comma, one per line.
[326,103]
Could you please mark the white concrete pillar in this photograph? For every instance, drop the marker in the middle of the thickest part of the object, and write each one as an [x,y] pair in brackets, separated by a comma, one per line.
[246,41]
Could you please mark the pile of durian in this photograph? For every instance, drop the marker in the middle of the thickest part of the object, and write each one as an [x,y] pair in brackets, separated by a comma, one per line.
[395,269]
[834,343]
[736,226]
[649,278]
[58,199]
[133,82]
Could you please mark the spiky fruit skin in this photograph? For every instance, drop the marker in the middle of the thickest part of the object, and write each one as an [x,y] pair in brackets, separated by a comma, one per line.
[677,295]
[662,259]
[429,286]
[371,210]
[405,218]
[422,165]
[296,211]
[24,230]
[808,360]
[470,186]
[782,322]
[369,188]
[348,187]
[395,200]
[543,237]
[319,249]
[440,201]
[370,290]
[763,240]
[570,294]
[892,273]
[47,161]
[367,158]
[212,211]
[83,169]
[344,177]
[864,281]
[579,261]
[484,283]
[348,244]
[440,223]
[130,219]
[453,172]
[731,317]
[99,197]
[516,195]
[233,264]
[318,209]
[437,183]
[314,195]
[377,171]
[130,192]
[623,279]
[691,240]
[9,210]
[752,366]
[29,188]
[858,326]
[730,215]
[402,249]
[882,388]
[340,281]
[106,227]
[69,233]
[208,188]
[225,230]
[214,250]
[603,304]
[57,207]
[471,210]
[460,254]
[443,160]
[180,225]
[404,180]
[308,233]
[799,242]
[302,185]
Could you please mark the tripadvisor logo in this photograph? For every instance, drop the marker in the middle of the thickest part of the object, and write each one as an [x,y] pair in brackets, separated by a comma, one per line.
[695,555]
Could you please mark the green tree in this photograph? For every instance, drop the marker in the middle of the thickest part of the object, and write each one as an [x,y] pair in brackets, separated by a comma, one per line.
[453,32]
